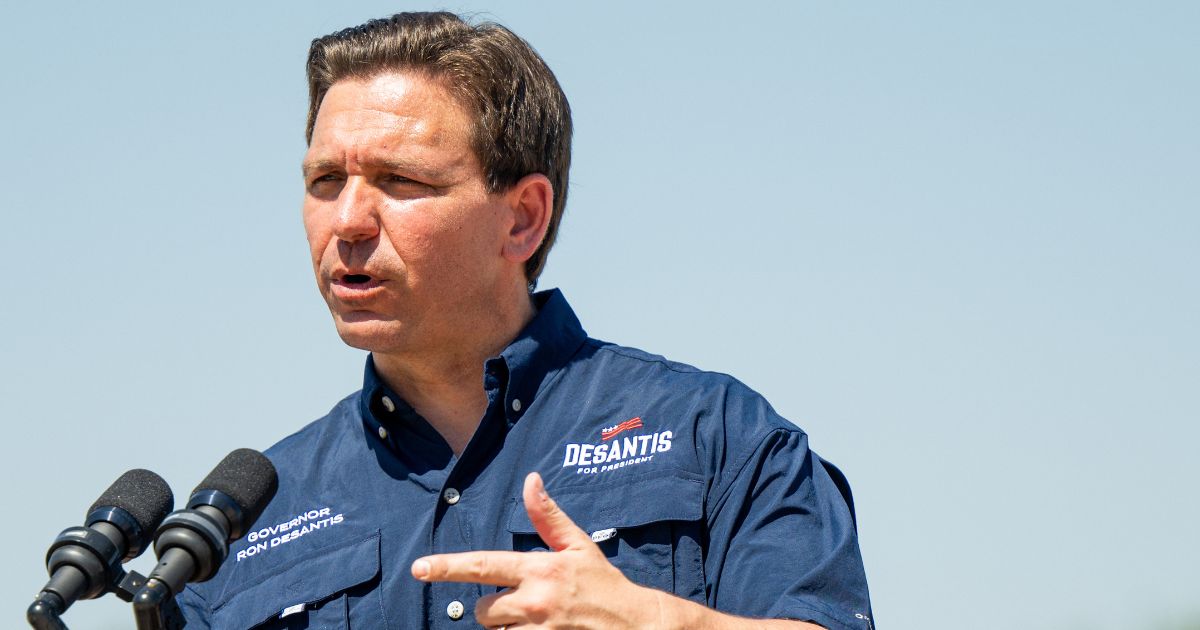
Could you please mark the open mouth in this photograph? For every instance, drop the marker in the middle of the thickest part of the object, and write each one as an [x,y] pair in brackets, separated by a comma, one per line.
[356,278]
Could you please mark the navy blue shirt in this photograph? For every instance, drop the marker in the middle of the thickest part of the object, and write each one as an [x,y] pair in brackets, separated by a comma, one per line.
[688,481]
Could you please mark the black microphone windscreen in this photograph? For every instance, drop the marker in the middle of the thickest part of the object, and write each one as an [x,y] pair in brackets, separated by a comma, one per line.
[248,477]
[141,493]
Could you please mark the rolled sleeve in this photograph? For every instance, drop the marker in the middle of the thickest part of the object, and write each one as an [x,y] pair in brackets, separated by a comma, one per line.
[783,543]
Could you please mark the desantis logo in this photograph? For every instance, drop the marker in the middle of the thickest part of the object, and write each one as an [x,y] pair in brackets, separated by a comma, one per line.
[612,432]
[612,453]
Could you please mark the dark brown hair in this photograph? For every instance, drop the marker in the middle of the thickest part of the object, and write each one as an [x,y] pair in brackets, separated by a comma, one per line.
[522,118]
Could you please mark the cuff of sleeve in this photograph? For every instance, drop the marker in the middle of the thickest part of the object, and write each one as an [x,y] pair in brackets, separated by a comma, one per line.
[857,621]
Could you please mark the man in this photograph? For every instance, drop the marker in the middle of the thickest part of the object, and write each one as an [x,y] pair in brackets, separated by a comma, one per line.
[435,179]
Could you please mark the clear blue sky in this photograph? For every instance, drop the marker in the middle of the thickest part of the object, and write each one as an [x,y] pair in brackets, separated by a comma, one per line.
[958,243]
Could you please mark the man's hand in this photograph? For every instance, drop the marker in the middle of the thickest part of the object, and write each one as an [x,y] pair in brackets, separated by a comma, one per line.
[574,587]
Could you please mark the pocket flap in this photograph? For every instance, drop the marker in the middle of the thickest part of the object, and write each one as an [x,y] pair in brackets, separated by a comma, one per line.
[677,496]
[310,579]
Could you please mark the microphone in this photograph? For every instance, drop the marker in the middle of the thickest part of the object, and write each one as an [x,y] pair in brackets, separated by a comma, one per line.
[192,543]
[85,562]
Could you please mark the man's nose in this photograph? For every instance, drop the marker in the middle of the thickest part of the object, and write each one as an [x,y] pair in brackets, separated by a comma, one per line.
[357,212]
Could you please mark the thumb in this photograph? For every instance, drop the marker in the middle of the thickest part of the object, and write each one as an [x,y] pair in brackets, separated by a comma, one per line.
[551,523]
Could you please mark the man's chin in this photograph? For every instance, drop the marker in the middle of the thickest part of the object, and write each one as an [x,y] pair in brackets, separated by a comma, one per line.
[370,335]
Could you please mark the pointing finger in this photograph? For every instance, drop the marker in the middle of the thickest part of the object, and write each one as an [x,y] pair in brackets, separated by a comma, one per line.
[498,568]
[551,523]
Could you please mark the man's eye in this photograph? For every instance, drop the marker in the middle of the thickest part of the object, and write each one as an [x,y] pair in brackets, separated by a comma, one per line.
[325,180]
[326,185]
[401,187]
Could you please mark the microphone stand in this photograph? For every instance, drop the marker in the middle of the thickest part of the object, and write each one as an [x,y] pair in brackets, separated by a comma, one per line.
[44,612]
[155,608]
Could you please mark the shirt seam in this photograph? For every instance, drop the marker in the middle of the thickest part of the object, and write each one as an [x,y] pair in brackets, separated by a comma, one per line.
[742,466]
[191,589]
[674,366]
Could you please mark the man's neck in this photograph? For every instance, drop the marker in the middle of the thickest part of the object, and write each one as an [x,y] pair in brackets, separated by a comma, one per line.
[446,386]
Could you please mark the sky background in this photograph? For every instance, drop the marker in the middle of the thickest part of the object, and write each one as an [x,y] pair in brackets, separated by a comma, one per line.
[957,243]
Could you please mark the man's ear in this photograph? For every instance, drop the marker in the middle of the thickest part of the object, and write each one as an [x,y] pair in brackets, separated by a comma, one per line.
[531,201]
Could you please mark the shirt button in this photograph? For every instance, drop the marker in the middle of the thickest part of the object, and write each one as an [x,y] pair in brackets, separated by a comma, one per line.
[451,496]
[455,610]
[516,404]
[388,404]
[382,433]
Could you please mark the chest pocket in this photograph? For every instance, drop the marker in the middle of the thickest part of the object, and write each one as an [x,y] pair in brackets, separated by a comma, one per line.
[315,592]
[649,527]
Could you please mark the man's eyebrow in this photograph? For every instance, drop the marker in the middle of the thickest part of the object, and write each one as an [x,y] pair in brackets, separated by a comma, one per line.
[318,165]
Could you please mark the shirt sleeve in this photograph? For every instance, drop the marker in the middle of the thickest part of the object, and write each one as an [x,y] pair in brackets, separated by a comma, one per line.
[782,538]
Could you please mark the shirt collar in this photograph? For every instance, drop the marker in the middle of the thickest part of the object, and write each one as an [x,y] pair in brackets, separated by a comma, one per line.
[532,359]
[540,351]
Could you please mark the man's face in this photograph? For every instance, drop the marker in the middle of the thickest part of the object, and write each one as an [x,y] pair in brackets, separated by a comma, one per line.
[405,239]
